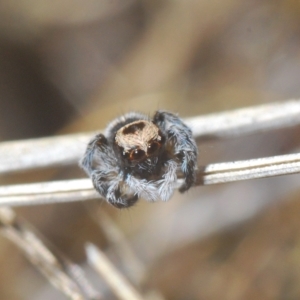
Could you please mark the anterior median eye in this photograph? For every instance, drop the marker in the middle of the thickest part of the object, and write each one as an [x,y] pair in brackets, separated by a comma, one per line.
[153,147]
[137,154]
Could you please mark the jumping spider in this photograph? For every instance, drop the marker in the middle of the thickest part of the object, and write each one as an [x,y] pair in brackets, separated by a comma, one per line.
[140,157]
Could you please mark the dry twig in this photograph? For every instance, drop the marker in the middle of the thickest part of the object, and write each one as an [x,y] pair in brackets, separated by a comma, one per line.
[82,189]
[118,283]
[64,275]
[64,150]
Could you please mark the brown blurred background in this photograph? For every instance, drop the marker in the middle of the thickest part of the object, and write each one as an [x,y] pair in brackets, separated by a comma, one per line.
[71,66]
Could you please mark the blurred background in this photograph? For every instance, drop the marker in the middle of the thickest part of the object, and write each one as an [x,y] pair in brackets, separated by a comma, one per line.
[72,66]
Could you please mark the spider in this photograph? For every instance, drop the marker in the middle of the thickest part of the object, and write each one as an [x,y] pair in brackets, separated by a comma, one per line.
[141,157]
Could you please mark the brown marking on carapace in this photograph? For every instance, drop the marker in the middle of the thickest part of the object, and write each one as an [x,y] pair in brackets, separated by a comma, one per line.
[133,127]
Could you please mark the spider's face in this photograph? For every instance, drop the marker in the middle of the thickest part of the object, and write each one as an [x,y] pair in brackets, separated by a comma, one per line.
[139,141]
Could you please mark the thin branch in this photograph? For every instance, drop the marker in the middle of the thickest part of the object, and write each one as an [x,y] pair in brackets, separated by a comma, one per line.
[250,169]
[118,241]
[64,275]
[42,152]
[118,283]
[135,268]
[82,189]
[65,150]
[47,192]
[247,120]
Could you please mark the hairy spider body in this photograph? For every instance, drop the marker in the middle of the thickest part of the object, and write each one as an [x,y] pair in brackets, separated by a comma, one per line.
[141,157]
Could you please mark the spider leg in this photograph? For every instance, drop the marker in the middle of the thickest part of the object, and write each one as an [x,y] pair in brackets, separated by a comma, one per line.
[149,190]
[96,145]
[108,185]
[101,165]
[185,148]
[167,183]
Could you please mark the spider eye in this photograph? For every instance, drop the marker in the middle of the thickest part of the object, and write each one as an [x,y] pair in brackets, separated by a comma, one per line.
[153,147]
[137,154]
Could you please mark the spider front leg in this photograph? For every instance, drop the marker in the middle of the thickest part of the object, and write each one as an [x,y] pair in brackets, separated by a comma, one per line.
[109,188]
[97,144]
[185,148]
[100,164]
